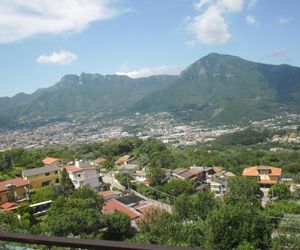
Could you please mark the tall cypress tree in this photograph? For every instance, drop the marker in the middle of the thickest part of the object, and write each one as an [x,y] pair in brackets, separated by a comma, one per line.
[66,185]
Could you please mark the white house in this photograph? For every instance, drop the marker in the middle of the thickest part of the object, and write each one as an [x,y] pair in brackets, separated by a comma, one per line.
[83,174]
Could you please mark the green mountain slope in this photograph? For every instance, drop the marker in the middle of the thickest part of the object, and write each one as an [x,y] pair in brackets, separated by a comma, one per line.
[217,88]
[226,89]
[84,93]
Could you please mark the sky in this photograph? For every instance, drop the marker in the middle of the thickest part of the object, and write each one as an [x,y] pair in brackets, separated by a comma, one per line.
[43,40]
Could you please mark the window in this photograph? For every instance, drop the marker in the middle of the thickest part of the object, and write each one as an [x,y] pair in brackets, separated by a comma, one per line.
[47,174]
[78,175]
[56,172]
[45,183]
[57,181]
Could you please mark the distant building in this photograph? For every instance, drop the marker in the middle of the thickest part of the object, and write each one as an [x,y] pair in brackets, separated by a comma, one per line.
[264,175]
[83,174]
[130,200]
[217,169]
[122,160]
[111,206]
[13,190]
[108,195]
[131,168]
[192,173]
[43,176]
[229,174]
[144,208]
[50,161]
[219,188]
[98,162]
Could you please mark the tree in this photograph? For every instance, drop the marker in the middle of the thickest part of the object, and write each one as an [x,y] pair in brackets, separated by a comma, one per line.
[66,186]
[43,194]
[156,175]
[161,227]
[74,217]
[246,246]
[124,179]
[86,193]
[27,219]
[242,189]
[231,224]
[117,225]
[195,207]
[177,187]
[109,164]
[9,222]
[280,191]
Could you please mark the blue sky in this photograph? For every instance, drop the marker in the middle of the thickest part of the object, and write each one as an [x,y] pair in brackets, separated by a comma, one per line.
[40,41]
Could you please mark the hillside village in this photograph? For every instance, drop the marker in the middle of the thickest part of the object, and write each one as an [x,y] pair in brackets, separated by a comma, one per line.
[133,184]
[117,196]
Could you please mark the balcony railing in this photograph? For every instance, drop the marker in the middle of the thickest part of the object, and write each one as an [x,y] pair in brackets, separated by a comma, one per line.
[81,243]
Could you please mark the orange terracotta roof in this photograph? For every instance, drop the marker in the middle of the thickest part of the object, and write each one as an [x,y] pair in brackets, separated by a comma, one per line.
[8,205]
[217,169]
[17,182]
[144,208]
[276,171]
[253,171]
[72,169]
[250,171]
[122,159]
[50,160]
[147,182]
[113,205]
[99,160]
[108,193]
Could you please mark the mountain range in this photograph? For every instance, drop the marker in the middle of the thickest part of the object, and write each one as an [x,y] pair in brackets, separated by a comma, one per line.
[219,89]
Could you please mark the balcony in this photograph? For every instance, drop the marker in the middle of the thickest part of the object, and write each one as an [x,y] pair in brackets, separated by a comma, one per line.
[79,243]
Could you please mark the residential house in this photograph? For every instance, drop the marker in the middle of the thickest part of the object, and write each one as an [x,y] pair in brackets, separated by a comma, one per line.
[131,168]
[219,188]
[144,208]
[192,173]
[83,174]
[217,169]
[98,162]
[111,206]
[13,190]
[229,174]
[43,176]
[108,195]
[265,176]
[50,161]
[130,200]
[123,160]
[8,206]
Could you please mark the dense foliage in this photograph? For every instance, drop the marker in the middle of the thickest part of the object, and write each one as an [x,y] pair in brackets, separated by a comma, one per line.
[198,219]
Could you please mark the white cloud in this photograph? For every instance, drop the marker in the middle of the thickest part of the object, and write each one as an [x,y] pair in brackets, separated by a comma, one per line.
[210,26]
[280,52]
[284,20]
[200,4]
[146,72]
[233,5]
[252,3]
[61,57]
[20,19]
[251,20]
